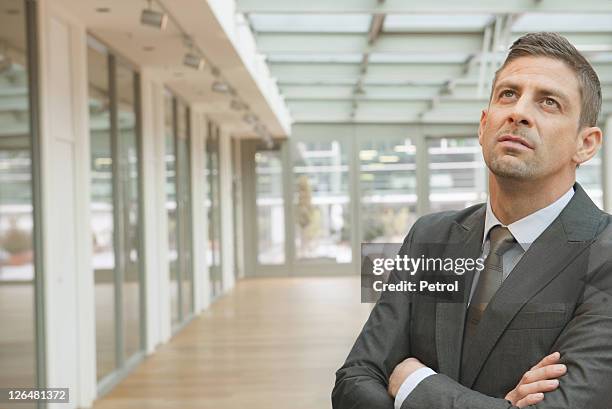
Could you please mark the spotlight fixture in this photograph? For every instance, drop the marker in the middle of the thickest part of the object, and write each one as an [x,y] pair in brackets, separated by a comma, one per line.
[238,105]
[194,61]
[150,17]
[265,136]
[249,118]
[269,142]
[221,87]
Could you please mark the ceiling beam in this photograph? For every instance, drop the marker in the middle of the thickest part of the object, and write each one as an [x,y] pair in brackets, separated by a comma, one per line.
[438,6]
[345,43]
[376,27]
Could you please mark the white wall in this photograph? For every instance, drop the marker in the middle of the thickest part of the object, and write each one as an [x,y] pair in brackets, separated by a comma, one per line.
[68,281]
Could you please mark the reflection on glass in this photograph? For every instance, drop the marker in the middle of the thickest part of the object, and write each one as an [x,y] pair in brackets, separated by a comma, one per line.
[213,208]
[321,201]
[457,173]
[178,205]
[17,296]
[103,258]
[388,189]
[270,211]
[130,178]
[589,175]
[171,206]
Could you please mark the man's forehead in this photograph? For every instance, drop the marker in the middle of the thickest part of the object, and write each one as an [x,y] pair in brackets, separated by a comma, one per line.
[540,72]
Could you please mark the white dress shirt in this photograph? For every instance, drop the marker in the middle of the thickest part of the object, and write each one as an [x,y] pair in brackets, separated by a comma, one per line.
[525,231]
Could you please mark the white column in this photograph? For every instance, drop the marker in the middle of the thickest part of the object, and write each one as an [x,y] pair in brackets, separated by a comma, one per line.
[69,310]
[607,165]
[201,278]
[155,216]
[227,205]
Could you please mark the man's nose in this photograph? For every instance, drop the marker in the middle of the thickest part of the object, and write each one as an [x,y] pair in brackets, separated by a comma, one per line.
[521,114]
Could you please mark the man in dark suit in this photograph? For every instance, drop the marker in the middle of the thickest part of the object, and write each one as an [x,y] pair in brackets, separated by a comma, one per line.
[535,325]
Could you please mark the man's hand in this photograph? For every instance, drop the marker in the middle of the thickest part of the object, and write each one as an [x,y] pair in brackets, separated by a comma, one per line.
[539,379]
[402,371]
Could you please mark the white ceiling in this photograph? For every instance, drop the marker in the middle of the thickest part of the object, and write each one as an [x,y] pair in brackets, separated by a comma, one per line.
[160,53]
[399,61]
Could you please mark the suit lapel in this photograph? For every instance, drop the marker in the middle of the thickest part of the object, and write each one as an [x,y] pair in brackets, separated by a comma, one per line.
[563,241]
[465,241]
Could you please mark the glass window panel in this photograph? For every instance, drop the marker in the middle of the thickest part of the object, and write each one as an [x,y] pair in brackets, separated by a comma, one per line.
[270,207]
[102,221]
[388,189]
[457,173]
[309,57]
[590,175]
[17,288]
[213,208]
[184,207]
[330,23]
[598,58]
[321,200]
[171,206]
[457,58]
[129,181]
[564,22]
[435,22]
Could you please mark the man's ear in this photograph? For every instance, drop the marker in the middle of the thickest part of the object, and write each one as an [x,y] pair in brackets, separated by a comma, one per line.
[587,144]
[482,125]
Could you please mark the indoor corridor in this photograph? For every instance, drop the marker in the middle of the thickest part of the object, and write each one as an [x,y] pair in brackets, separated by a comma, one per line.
[186,186]
[269,343]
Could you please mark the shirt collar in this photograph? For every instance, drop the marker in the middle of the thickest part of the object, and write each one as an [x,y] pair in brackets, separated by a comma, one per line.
[529,228]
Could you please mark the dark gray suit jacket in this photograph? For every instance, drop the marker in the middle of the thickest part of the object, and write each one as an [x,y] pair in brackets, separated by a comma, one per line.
[557,298]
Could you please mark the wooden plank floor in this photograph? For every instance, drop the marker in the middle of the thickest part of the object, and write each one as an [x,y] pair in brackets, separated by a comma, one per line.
[270,343]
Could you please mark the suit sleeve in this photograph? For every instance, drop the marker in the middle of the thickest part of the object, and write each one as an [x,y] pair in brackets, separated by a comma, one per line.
[585,348]
[361,383]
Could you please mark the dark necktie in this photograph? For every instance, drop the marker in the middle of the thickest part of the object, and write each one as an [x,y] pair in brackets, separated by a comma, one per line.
[490,280]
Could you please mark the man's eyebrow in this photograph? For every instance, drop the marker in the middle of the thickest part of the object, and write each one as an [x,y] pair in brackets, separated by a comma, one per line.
[506,84]
[541,91]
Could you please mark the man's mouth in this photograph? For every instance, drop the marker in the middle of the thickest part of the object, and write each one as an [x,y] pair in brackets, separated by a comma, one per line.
[516,142]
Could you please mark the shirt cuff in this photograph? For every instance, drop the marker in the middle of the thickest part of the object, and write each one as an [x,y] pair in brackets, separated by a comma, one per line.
[410,383]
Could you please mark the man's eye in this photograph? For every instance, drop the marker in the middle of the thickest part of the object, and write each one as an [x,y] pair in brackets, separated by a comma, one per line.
[550,102]
[507,93]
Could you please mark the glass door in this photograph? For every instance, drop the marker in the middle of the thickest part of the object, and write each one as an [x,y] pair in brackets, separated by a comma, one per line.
[270,207]
[265,207]
[388,188]
[296,193]
[20,364]
[178,206]
[457,173]
[115,213]
[321,202]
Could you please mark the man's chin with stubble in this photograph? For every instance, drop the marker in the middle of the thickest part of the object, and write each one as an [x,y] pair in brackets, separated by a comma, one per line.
[511,168]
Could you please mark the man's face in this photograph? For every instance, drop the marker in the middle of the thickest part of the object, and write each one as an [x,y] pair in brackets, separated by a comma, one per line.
[530,129]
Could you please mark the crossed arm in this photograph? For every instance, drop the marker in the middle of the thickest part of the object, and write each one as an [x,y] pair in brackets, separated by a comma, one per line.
[584,344]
